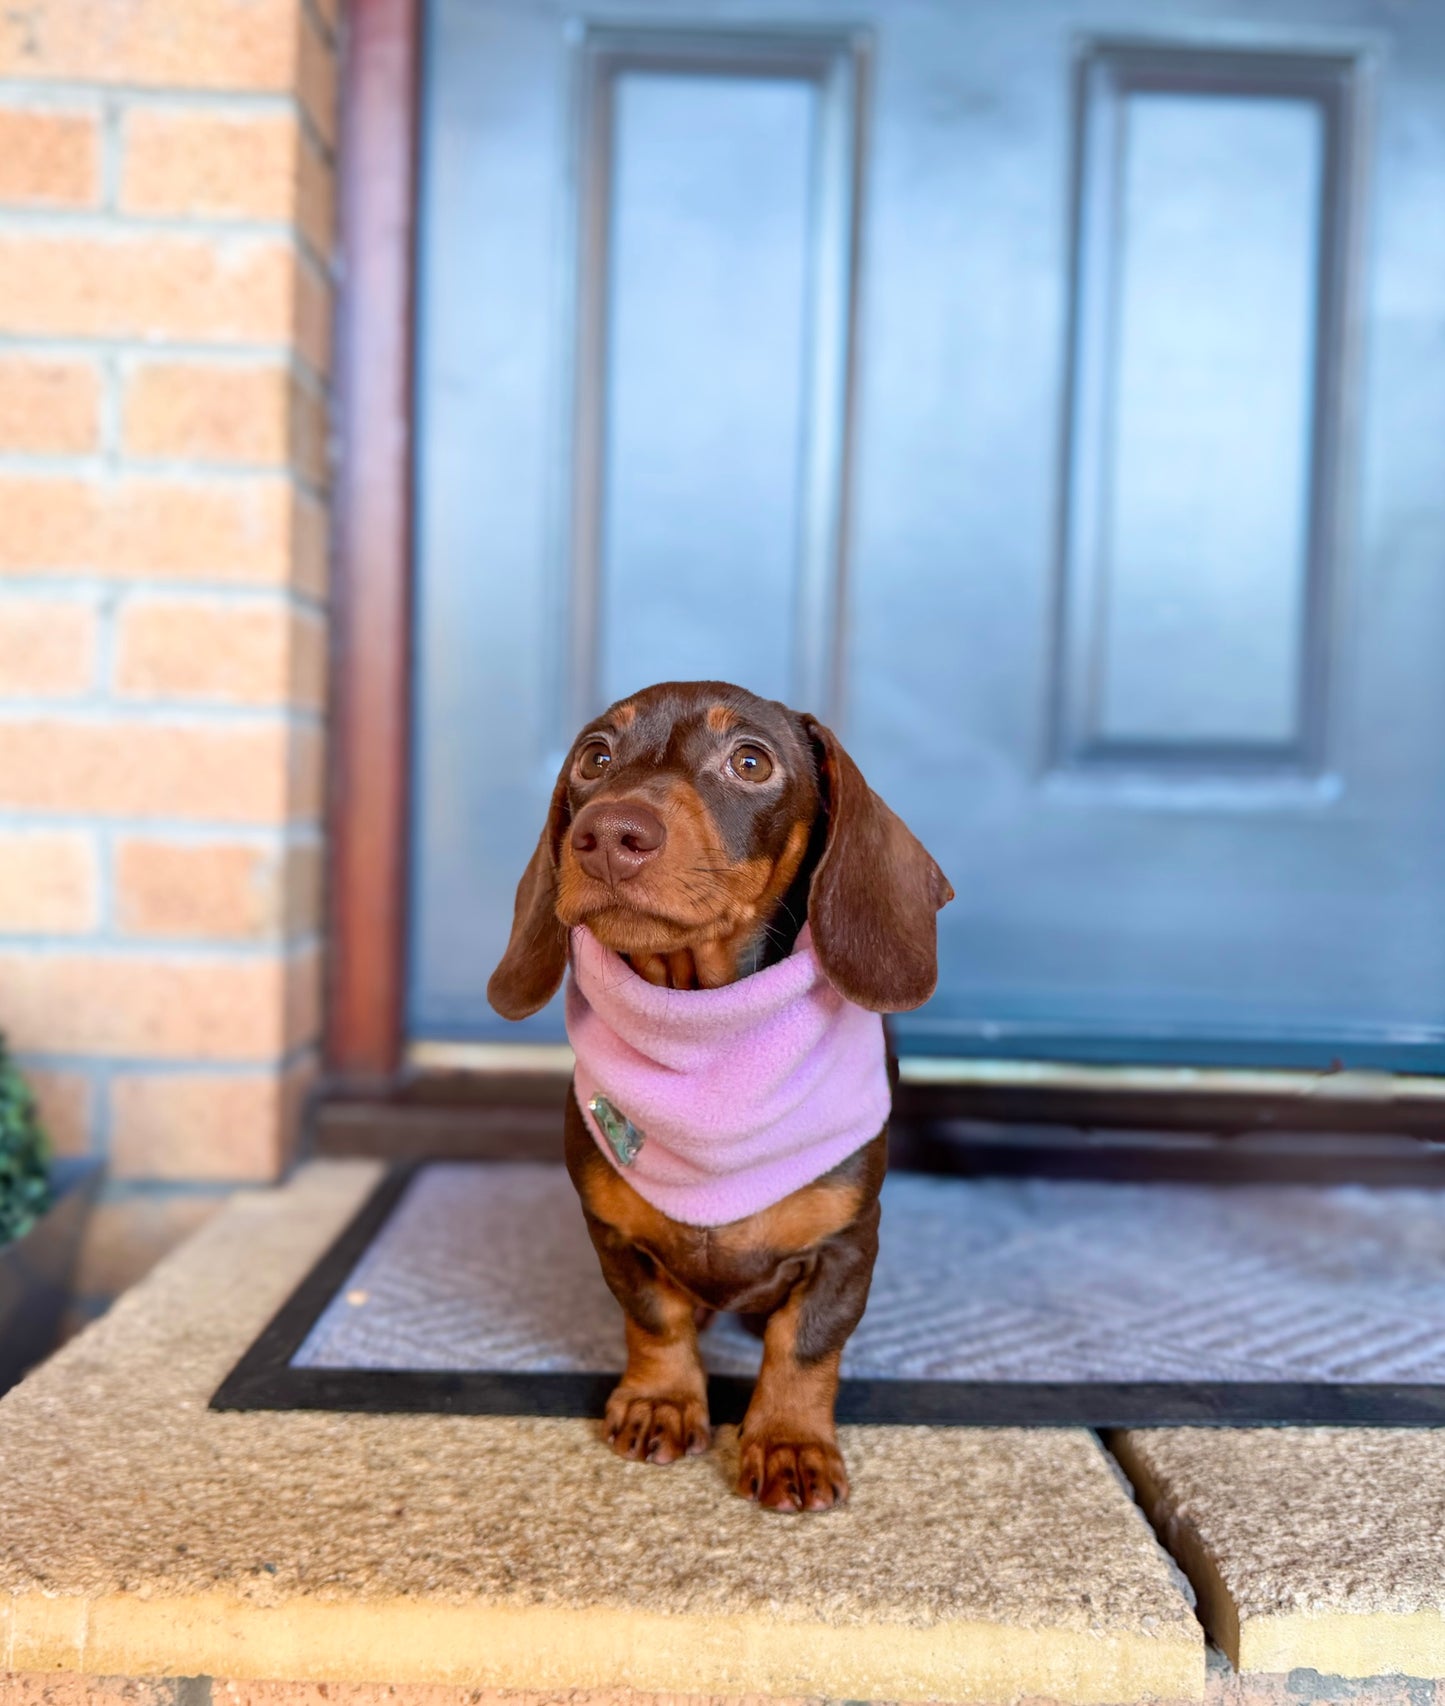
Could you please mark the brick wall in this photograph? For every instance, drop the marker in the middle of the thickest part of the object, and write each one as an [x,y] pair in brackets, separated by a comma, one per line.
[166,215]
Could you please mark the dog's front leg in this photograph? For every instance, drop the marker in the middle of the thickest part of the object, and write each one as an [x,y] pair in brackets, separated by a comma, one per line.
[788,1450]
[659,1410]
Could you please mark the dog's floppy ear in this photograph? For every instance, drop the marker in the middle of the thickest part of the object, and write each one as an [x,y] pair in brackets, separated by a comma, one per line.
[874,893]
[531,969]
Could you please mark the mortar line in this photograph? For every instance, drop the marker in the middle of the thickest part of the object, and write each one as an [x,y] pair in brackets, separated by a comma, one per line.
[98,710]
[101,222]
[175,349]
[114,466]
[206,951]
[189,471]
[23,91]
[110,154]
[182,1066]
[92,588]
[191,832]
[102,1120]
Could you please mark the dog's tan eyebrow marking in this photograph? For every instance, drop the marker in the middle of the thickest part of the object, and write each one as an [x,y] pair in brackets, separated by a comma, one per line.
[624,716]
[721,718]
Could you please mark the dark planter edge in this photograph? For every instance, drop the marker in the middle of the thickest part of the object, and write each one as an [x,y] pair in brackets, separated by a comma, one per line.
[36,1271]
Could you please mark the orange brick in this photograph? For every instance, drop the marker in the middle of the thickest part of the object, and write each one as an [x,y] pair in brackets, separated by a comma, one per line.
[203,1126]
[49,159]
[217,165]
[240,532]
[303,998]
[122,1242]
[47,647]
[312,318]
[49,523]
[298,1084]
[48,882]
[48,405]
[303,892]
[306,677]
[220,890]
[224,413]
[310,424]
[65,1101]
[215,1008]
[203,44]
[241,772]
[241,289]
[239,654]
[306,774]
[310,547]
[315,198]
[316,79]
[217,413]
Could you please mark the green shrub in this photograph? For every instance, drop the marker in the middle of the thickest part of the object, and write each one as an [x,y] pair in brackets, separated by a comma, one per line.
[24,1176]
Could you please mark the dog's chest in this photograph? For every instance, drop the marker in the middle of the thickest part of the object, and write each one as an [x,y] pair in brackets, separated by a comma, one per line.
[722,1275]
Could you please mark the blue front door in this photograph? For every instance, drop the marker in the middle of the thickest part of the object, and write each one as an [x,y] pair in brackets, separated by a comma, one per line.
[1051,396]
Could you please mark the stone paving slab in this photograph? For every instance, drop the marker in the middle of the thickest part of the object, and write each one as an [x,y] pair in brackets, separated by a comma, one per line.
[1319,1549]
[143,1535]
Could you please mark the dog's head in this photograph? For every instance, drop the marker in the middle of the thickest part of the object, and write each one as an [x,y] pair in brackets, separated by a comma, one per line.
[693,828]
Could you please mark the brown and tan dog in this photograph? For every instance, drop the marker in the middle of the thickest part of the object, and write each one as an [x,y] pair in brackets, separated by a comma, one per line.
[693,829]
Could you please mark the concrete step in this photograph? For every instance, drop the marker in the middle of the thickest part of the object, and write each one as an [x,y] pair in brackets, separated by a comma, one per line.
[143,1535]
[1319,1549]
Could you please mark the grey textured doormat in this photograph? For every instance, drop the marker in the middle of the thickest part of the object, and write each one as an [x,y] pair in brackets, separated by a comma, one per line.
[472,1287]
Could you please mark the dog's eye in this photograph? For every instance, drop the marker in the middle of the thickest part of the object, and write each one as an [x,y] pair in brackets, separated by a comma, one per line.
[593,760]
[751,764]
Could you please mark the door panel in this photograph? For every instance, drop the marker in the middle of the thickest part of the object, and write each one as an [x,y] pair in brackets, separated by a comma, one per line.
[717,211]
[1051,395]
[707,332]
[1200,276]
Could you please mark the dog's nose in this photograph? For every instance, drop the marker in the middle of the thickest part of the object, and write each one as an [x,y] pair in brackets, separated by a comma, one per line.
[614,839]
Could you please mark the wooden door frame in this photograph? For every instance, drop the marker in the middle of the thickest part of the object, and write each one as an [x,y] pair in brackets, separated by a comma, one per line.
[370,712]
[370,1101]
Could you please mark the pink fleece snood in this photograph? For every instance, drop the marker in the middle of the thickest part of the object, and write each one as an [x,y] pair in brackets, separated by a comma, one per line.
[716,1103]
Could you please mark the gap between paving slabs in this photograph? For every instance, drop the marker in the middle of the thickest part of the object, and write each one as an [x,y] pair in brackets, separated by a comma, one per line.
[1318,1550]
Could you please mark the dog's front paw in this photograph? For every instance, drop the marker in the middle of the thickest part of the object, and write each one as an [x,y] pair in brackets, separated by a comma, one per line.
[785,1473]
[656,1427]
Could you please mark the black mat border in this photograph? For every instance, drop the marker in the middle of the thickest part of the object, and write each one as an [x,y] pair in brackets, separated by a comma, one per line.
[265,1380]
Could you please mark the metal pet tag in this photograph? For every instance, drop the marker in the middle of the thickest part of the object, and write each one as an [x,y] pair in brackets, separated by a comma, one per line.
[621,1134]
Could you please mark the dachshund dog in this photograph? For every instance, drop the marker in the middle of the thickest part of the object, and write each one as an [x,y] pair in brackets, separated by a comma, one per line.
[701,839]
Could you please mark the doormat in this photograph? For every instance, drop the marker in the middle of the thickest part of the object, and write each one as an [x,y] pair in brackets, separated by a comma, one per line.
[472,1288]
